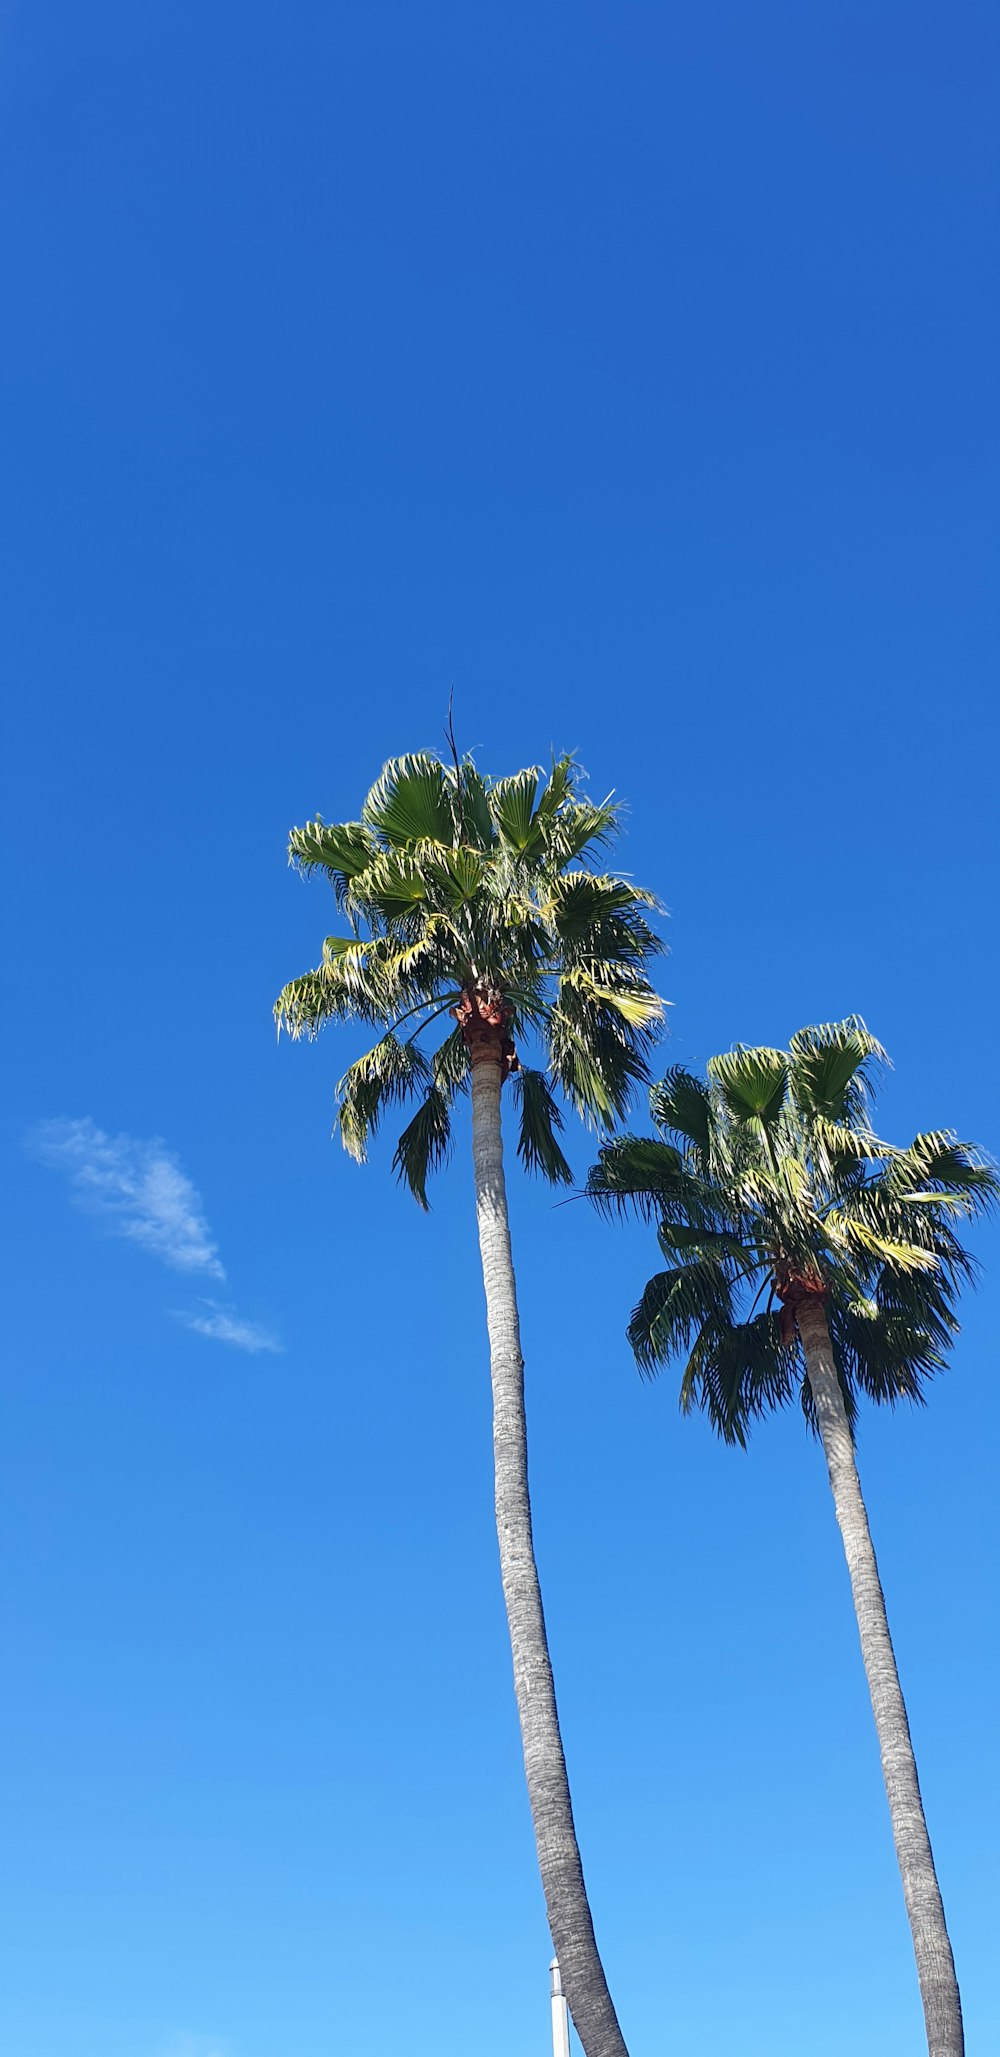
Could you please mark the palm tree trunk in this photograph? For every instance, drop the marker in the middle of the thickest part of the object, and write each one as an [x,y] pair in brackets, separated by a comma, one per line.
[932,1948]
[566,1902]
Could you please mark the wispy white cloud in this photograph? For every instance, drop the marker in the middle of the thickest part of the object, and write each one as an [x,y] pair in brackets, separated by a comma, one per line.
[135,1185]
[224,1325]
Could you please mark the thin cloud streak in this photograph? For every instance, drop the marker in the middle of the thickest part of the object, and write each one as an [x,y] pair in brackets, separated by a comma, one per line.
[136,1186]
[224,1325]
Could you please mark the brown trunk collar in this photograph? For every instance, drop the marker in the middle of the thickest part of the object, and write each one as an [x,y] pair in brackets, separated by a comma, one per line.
[483,1020]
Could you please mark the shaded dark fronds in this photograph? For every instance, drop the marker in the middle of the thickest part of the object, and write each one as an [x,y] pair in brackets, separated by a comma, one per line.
[425,1145]
[539,1127]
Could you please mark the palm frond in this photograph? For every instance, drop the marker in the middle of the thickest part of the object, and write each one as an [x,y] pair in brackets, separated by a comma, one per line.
[634,1173]
[768,1176]
[676,1305]
[388,1073]
[596,1055]
[681,1105]
[409,802]
[512,806]
[459,886]
[556,793]
[582,825]
[425,1144]
[860,1238]
[652,1179]
[395,884]
[738,1371]
[617,991]
[583,906]
[539,1126]
[753,1084]
[457,874]
[888,1344]
[717,1246]
[937,1163]
[831,1071]
[474,808]
[330,993]
[450,1065]
[341,849]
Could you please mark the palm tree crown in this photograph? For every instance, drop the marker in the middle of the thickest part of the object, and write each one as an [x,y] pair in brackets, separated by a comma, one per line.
[769,1186]
[470,899]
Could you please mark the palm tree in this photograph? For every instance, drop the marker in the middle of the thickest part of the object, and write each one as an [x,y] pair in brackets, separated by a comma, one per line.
[469,904]
[804,1255]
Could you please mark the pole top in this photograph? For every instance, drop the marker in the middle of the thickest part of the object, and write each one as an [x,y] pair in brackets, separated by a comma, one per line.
[555,1982]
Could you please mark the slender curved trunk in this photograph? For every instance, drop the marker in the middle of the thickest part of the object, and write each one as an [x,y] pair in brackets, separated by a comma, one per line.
[570,1922]
[932,1948]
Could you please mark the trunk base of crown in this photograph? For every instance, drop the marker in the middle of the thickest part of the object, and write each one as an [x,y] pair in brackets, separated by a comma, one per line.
[793,1289]
[483,1020]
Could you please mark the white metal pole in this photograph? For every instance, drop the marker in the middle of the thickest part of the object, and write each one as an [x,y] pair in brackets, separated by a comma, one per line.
[560,2015]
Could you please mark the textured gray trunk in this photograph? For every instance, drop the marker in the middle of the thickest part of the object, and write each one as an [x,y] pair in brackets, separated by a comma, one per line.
[932,1948]
[583,1979]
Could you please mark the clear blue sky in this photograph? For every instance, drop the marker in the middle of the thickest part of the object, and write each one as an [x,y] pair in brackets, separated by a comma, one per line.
[632,369]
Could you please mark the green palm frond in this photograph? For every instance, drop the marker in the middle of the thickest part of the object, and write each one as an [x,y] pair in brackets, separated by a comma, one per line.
[769,1181]
[340,849]
[739,1260]
[634,1173]
[637,1173]
[860,1238]
[681,1105]
[330,993]
[457,874]
[887,1344]
[596,1053]
[937,1163]
[585,908]
[395,884]
[512,805]
[478,828]
[831,1070]
[389,1073]
[676,1305]
[582,826]
[425,1144]
[752,1084]
[539,1126]
[556,797]
[610,989]
[450,1064]
[462,891]
[410,803]
[737,1372]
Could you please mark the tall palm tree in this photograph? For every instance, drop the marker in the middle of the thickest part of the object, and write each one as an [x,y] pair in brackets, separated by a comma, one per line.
[469,904]
[805,1256]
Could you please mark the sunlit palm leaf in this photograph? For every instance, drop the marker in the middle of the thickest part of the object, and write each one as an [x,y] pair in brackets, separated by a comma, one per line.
[753,1083]
[832,1070]
[340,849]
[409,802]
